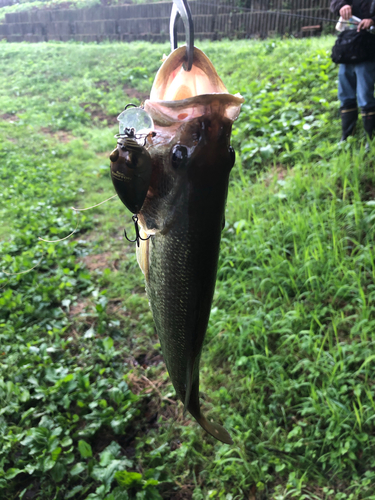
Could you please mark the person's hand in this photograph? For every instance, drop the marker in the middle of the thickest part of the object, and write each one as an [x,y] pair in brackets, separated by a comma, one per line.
[365,24]
[346,12]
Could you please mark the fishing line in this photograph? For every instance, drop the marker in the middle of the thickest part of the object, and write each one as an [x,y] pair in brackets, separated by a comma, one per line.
[23,272]
[76,210]
[94,206]
[62,239]
[40,260]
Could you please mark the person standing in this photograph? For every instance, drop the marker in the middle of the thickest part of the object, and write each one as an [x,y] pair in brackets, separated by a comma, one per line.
[357,81]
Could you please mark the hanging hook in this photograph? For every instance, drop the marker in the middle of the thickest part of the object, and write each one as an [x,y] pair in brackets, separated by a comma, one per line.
[181,9]
[137,233]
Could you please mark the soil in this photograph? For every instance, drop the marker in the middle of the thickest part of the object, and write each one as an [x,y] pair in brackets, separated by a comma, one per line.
[59,135]
[9,117]
[100,261]
[278,170]
[79,308]
[130,92]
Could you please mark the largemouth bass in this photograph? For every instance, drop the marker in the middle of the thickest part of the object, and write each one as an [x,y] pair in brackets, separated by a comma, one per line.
[183,213]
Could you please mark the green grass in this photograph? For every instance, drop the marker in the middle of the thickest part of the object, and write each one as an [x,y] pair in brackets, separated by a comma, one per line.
[86,407]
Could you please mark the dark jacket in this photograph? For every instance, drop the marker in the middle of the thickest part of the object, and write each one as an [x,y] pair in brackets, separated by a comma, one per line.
[364,9]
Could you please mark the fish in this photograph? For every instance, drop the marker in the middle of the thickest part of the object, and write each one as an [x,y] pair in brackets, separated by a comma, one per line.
[183,213]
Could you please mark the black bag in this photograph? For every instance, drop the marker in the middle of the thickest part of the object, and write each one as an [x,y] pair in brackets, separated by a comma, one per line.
[353,47]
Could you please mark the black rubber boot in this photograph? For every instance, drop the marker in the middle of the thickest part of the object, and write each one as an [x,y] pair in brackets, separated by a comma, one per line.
[348,122]
[368,118]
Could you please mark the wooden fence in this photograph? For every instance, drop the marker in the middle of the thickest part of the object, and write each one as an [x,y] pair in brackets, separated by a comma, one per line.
[213,20]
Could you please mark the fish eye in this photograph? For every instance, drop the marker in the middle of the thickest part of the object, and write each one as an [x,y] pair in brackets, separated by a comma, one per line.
[232,155]
[179,156]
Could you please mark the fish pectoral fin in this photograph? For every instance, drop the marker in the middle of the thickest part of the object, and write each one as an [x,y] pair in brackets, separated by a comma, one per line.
[216,430]
[143,254]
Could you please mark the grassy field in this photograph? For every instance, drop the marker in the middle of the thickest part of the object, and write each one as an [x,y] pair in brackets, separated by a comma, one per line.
[86,407]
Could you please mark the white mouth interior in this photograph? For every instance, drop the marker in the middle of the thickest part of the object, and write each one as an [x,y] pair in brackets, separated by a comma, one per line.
[178,96]
[185,84]
[173,83]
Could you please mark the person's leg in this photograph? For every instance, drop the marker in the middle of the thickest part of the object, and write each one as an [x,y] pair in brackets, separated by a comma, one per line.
[365,88]
[348,99]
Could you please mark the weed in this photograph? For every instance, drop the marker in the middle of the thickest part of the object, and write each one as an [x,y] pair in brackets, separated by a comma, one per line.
[87,409]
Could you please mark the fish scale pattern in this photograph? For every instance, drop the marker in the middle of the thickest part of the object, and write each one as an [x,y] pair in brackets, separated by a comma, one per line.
[174,298]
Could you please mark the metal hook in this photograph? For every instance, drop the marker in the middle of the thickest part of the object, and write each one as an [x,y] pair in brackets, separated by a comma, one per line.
[137,234]
[181,9]
[132,105]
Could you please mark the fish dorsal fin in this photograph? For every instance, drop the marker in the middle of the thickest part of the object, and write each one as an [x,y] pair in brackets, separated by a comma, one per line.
[143,254]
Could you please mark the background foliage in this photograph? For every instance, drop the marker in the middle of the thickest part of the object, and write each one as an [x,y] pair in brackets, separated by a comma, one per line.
[86,407]
[22,5]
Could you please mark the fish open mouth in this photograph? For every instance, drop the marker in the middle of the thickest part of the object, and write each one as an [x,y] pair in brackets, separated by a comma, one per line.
[173,83]
[180,95]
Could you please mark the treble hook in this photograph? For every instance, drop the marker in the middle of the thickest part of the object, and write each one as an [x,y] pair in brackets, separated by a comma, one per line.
[137,233]
[181,9]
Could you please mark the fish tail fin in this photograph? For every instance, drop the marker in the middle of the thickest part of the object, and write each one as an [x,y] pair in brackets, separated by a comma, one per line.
[216,430]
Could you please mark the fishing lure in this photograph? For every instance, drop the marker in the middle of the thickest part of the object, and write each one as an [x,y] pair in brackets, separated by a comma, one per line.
[131,164]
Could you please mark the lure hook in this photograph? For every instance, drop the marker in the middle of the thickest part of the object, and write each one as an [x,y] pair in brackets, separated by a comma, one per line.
[137,233]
